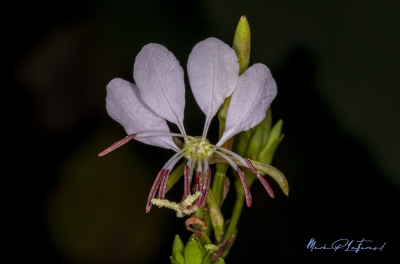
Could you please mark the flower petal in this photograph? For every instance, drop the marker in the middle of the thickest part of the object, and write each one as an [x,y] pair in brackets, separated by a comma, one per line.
[125,106]
[249,102]
[159,78]
[213,71]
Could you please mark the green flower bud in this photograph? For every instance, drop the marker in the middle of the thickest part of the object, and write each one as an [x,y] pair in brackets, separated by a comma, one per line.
[211,247]
[204,240]
[197,250]
[219,261]
[178,245]
[210,251]
[178,258]
[241,43]
[193,251]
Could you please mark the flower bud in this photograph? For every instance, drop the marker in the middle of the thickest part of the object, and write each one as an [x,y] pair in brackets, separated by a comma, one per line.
[219,261]
[178,245]
[241,43]
[193,251]
[198,250]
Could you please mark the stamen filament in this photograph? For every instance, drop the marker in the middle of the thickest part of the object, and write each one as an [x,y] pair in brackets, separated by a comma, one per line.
[241,176]
[191,174]
[239,158]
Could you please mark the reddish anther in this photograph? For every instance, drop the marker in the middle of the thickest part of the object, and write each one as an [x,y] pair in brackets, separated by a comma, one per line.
[163,185]
[245,187]
[261,178]
[198,182]
[186,188]
[154,188]
[206,187]
[117,145]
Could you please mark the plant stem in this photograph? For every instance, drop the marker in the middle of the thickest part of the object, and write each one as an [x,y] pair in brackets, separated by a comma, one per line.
[237,210]
[218,185]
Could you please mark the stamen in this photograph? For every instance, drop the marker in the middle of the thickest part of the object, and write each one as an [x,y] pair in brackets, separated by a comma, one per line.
[117,145]
[245,187]
[163,185]
[239,158]
[154,188]
[198,182]
[191,174]
[198,177]
[247,163]
[186,186]
[241,176]
[261,178]
[143,135]
[188,172]
[169,166]
[206,187]
[230,161]
[206,167]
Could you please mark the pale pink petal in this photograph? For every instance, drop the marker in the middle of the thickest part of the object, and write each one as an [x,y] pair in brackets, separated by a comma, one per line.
[213,71]
[249,102]
[159,78]
[125,106]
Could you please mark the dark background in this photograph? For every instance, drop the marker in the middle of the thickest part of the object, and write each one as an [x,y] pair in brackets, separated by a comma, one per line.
[336,64]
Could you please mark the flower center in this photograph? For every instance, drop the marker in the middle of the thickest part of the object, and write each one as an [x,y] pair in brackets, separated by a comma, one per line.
[198,148]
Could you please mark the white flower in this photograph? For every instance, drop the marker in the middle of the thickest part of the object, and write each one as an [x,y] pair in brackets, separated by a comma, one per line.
[159,96]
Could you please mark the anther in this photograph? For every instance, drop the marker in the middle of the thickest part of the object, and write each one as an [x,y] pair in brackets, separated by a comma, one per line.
[117,145]
[260,177]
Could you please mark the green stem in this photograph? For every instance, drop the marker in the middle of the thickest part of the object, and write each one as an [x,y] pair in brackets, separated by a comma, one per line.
[237,210]
[218,184]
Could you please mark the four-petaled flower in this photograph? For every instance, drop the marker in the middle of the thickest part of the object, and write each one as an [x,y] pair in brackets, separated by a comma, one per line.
[159,96]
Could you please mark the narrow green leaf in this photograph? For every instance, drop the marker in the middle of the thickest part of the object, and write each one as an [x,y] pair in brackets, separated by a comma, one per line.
[275,132]
[268,152]
[217,220]
[263,169]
